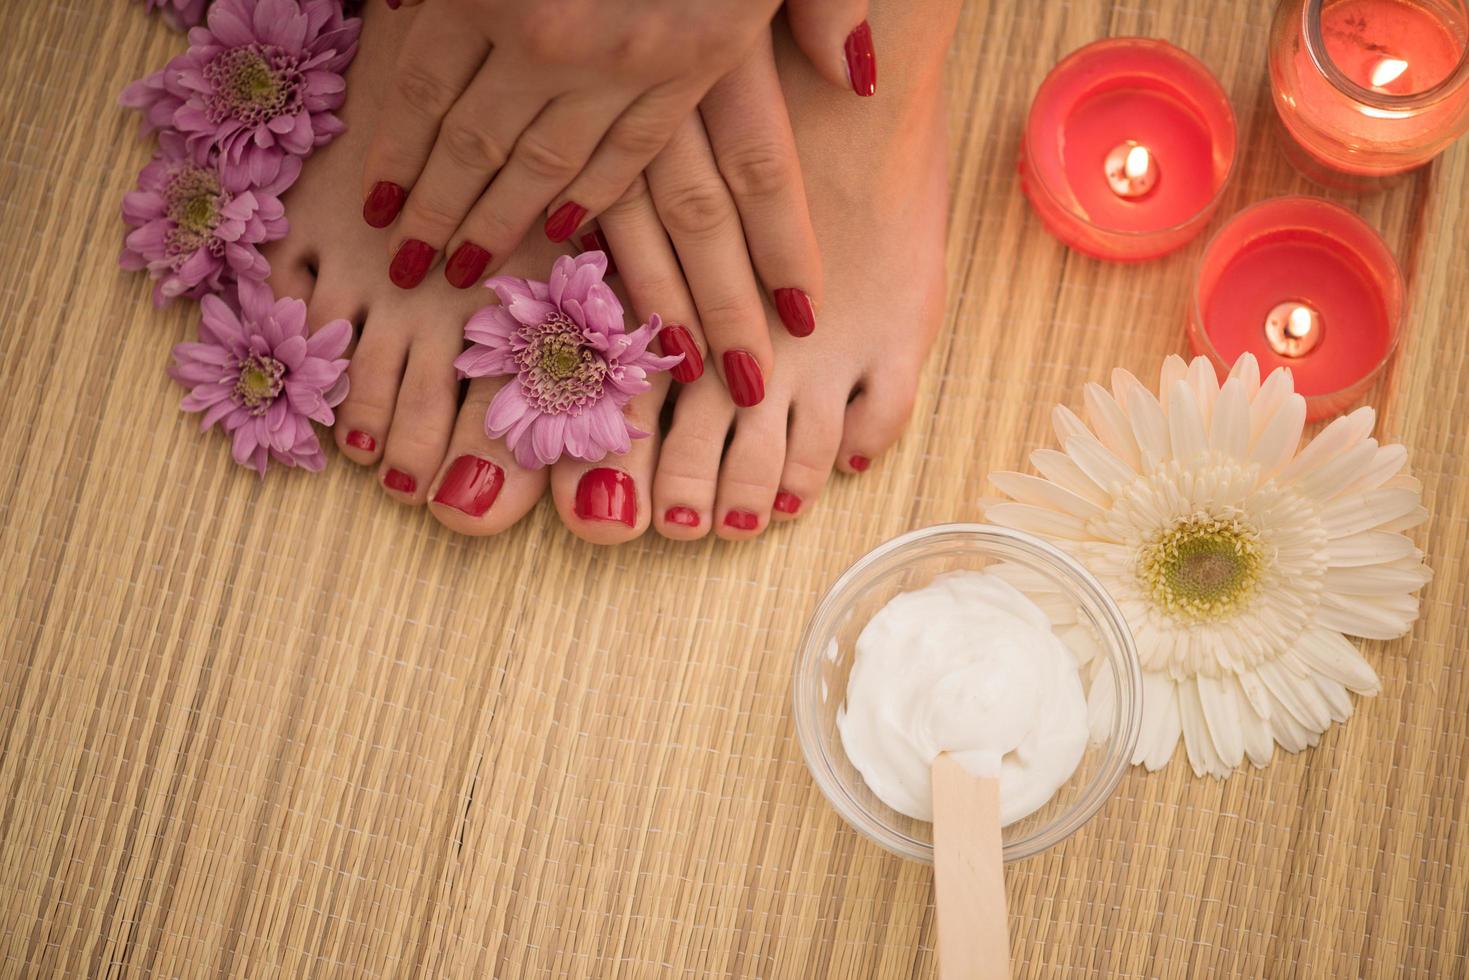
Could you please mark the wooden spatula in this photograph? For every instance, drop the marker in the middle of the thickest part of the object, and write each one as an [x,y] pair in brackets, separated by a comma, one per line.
[969,875]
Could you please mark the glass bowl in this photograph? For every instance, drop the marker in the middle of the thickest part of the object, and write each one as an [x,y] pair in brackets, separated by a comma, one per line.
[910,562]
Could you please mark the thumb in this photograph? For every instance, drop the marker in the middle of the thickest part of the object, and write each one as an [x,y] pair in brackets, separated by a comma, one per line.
[835,37]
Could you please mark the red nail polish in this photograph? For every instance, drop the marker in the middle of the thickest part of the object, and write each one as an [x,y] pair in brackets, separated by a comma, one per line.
[742,375]
[399,481]
[394,4]
[383,203]
[675,339]
[859,463]
[861,60]
[411,263]
[741,520]
[682,516]
[787,502]
[565,221]
[595,241]
[605,494]
[796,312]
[358,439]
[471,485]
[466,265]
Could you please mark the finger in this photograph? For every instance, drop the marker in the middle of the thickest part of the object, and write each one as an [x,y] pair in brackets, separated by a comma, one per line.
[551,151]
[630,145]
[836,38]
[745,115]
[438,60]
[474,142]
[699,214]
[654,281]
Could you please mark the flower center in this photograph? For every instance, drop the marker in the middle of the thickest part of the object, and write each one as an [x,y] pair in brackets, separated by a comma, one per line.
[259,382]
[253,83]
[559,373]
[1202,568]
[193,199]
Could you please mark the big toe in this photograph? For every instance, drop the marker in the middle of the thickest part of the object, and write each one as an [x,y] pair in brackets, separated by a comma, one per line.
[480,489]
[609,502]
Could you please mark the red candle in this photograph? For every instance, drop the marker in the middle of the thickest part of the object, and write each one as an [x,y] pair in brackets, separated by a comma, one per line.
[1369,88]
[1305,284]
[1128,145]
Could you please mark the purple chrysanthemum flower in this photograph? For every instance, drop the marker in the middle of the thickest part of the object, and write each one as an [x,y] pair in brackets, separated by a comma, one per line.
[256,370]
[260,82]
[576,365]
[196,226]
[180,14]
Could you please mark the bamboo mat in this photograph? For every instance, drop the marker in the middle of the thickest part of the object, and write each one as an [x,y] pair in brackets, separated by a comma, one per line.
[287,727]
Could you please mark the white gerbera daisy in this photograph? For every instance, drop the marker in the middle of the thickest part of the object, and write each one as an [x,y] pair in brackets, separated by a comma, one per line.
[1237,561]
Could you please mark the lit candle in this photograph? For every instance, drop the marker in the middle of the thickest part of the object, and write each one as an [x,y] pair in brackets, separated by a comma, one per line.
[1127,147]
[1305,284]
[1369,88]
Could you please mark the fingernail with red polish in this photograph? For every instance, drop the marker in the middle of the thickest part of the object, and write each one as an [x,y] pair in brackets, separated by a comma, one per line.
[383,203]
[605,494]
[861,60]
[564,221]
[595,241]
[787,502]
[859,463]
[741,520]
[466,265]
[471,485]
[399,481]
[358,439]
[394,4]
[682,516]
[742,375]
[675,339]
[796,312]
[411,263]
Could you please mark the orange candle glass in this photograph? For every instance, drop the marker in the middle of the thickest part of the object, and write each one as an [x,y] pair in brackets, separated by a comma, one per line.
[1305,284]
[1367,89]
[1127,147]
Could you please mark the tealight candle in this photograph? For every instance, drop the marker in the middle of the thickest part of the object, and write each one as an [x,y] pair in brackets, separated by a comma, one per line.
[1127,147]
[1305,284]
[1369,88]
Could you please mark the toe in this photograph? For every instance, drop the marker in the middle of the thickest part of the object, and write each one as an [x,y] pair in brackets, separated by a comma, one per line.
[375,371]
[479,488]
[811,450]
[688,465]
[423,417]
[876,418]
[291,272]
[751,471]
[608,502]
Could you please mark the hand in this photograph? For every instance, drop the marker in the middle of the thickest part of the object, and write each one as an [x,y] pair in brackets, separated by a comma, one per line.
[502,110]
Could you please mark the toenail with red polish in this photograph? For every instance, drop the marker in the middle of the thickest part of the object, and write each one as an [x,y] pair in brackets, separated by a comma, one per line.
[605,494]
[383,203]
[471,485]
[564,221]
[741,520]
[682,516]
[399,481]
[358,439]
[787,502]
[861,60]
[394,4]
[466,265]
[742,375]
[796,311]
[859,463]
[675,339]
[411,263]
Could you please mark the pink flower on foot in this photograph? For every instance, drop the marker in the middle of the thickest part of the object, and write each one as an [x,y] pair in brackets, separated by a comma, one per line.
[196,227]
[180,14]
[575,364]
[257,371]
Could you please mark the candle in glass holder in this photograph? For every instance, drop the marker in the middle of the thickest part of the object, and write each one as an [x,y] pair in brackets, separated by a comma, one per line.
[1301,283]
[1369,88]
[1127,147]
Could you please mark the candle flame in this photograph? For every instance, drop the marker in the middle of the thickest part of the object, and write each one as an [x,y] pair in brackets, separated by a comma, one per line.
[1299,322]
[1387,71]
[1138,162]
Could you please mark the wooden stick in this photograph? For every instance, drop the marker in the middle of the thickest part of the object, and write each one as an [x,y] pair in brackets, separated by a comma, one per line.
[969,875]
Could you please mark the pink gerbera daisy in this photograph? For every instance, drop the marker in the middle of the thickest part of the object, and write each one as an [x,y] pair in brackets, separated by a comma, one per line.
[259,372]
[574,362]
[195,226]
